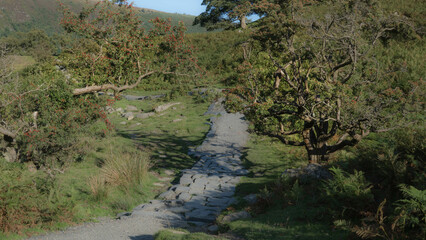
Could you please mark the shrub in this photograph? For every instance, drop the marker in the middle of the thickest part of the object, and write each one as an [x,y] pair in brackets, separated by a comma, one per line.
[348,194]
[28,200]
[412,208]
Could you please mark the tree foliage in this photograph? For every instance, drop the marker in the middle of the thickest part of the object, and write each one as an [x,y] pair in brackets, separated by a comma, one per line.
[313,76]
[115,52]
[224,13]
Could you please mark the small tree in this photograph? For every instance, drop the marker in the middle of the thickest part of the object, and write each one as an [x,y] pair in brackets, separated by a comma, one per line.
[316,82]
[116,53]
[224,13]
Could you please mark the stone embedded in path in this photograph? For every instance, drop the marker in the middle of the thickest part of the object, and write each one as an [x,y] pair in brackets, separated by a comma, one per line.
[184,196]
[169,195]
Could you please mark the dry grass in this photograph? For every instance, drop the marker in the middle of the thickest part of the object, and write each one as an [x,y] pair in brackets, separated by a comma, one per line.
[98,187]
[125,169]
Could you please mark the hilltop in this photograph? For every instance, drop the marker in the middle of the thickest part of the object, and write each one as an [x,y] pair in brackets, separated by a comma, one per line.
[24,15]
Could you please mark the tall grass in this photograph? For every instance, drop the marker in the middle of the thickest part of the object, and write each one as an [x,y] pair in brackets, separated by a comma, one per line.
[125,169]
[120,169]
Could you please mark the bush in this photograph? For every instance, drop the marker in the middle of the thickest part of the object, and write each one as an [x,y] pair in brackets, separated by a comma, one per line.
[28,200]
[412,208]
[347,194]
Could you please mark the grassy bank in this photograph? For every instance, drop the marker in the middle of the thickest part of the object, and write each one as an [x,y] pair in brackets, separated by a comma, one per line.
[112,172]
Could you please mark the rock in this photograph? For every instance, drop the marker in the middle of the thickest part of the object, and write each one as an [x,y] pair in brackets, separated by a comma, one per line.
[218,202]
[10,155]
[236,216]
[213,228]
[184,196]
[120,110]
[317,171]
[177,120]
[174,203]
[251,199]
[179,210]
[312,170]
[182,189]
[123,214]
[131,108]
[169,172]
[154,207]
[201,215]
[164,107]
[129,116]
[217,194]
[185,180]
[144,115]
[169,195]
[123,123]
[196,188]
[109,109]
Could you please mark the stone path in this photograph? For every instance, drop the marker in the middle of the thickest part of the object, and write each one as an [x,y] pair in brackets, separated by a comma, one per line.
[202,193]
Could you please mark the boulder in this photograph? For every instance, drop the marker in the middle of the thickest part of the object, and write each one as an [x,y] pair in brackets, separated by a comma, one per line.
[131,108]
[164,107]
[251,199]
[144,115]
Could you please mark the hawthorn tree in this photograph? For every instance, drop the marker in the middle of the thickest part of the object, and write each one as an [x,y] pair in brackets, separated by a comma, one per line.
[312,79]
[115,53]
[224,13]
[43,111]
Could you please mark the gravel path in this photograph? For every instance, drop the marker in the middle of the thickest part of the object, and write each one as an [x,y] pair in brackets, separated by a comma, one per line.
[202,193]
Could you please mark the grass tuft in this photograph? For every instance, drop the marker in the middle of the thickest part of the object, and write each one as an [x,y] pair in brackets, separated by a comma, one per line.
[125,169]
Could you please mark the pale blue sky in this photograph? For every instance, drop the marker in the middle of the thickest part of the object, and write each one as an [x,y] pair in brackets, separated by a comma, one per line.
[192,7]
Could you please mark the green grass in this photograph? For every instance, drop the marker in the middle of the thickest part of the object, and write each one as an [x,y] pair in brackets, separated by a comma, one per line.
[21,62]
[160,135]
[266,159]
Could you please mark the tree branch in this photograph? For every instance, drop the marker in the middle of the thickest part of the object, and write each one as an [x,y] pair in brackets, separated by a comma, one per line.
[80,91]
[6,132]
[283,139]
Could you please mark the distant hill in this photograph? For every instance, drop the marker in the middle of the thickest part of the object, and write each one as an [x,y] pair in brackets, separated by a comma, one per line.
[24,15]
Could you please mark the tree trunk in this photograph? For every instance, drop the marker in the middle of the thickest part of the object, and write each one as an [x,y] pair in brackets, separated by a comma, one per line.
[318,153]
[243,21]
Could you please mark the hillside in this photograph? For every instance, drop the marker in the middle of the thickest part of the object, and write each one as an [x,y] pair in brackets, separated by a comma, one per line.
[24,15]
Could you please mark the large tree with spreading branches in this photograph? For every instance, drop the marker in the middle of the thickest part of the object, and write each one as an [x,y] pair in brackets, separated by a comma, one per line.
[225,14]
[42,113]
[313,78]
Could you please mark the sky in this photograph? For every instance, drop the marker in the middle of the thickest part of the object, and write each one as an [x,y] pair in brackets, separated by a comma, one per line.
[191,7]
